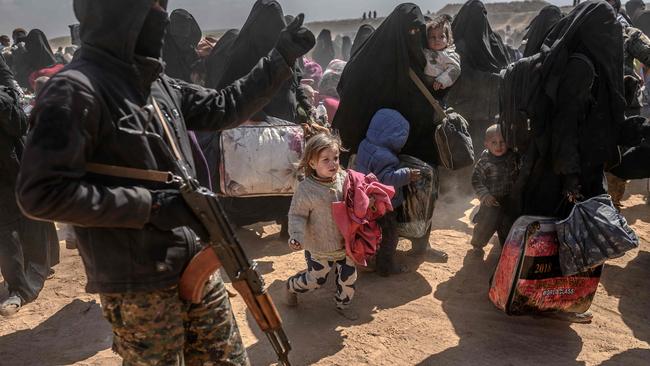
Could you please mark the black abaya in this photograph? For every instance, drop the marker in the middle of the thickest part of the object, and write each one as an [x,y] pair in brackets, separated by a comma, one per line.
[539,27]
[218,59]
[377,77]
[364,32]
[577,137]
[182,38]
[324,51]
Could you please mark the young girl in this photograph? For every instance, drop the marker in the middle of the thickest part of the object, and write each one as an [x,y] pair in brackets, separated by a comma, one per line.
[312,227]
[443,63]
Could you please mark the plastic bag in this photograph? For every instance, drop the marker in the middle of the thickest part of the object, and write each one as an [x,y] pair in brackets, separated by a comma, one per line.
[593,233]
[415,214]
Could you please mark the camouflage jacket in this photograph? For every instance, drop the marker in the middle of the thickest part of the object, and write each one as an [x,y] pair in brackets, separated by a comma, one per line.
[637,46]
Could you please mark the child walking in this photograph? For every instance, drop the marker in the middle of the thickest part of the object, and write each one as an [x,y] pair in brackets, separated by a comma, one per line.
[378,154]
[494,175]
[443,63]
[312,226]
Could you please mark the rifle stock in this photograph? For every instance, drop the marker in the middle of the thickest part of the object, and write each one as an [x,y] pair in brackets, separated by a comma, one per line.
[225,251]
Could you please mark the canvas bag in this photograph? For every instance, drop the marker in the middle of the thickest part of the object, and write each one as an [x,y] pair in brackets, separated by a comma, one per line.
[452,138]
[260,159]
[593,233]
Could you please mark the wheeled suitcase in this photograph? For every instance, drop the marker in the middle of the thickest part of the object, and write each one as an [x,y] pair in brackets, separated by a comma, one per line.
[528,278]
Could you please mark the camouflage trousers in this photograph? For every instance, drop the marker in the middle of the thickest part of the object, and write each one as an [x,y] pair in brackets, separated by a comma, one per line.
[158,328]
[616,188]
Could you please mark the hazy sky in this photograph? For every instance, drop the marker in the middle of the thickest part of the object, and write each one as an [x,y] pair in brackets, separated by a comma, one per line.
[53,16]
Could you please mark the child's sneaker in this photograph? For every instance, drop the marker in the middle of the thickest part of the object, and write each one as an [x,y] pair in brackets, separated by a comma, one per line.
[290,298]
[348,313]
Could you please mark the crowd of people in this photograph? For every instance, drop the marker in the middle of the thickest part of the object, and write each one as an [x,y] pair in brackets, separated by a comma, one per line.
[157,99]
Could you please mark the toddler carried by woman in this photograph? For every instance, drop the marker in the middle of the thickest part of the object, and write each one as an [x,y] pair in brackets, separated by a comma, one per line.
[443,63]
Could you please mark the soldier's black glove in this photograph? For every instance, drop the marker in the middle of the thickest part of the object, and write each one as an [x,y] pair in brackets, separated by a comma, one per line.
[295,40]
[169,211]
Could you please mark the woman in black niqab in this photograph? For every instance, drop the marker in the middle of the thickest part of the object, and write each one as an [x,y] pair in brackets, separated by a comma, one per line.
[218,58]
[377,77]
[346,48]
[364,32]
[256,39]
[39,53]
[579,132]
[182,38]
[478,46]
[539,27]
[324,51]
[482,56]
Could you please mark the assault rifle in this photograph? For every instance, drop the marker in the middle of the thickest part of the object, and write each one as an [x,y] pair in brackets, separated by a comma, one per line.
[224,250]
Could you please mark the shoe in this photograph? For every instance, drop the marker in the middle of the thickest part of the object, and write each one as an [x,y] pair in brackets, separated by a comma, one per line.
[348,313]
[290,298]
[393,270]
[477,252]
[50,274]
[439,255]
[581,318]
[11,305]
[70,244]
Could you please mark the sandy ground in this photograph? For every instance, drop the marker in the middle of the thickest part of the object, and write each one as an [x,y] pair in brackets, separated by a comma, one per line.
[438,314]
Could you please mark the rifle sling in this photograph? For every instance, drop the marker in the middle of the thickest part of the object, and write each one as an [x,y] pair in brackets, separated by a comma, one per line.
[142,174]
[130,173]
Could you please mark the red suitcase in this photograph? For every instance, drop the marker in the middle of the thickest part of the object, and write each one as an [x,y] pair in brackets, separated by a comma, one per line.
[528,278]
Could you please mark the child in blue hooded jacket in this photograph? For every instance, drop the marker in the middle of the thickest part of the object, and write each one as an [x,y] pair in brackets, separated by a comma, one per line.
[378,154]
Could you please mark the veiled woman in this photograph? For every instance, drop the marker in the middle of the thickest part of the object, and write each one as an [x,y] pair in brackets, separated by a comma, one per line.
[179,51]
[377,77]
[256,38]
[364,32]
[483,55]
[539,28]
[324,51]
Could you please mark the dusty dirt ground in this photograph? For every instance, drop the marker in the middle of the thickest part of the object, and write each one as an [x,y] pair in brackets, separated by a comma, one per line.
[437,315]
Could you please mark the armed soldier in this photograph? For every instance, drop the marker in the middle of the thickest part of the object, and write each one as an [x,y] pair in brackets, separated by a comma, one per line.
[113,107]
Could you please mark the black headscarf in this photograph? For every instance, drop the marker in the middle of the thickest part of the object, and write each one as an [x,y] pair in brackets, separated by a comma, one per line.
[346,48]
[179,52]
[539,28]
[364,32]
[478,46]
[591,29]
[217,61]
[6,76]
[590,33]
[642,22]
[324,51]
[377,77]
[256,39]
[39,54]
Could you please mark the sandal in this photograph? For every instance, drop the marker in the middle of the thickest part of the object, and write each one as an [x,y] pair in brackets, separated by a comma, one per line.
[11,305]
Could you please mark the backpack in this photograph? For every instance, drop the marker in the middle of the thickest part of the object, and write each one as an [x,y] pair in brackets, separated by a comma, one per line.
[523,100]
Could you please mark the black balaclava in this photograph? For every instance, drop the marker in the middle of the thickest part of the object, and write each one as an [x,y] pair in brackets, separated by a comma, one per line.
[152,34]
